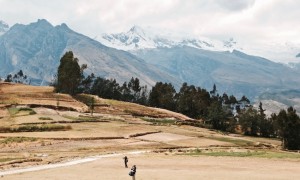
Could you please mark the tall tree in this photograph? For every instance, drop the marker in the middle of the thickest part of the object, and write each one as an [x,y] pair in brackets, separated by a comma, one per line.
[217,116]
[289,128]
[249,120]
[69,74]
[163,95]
[192,101]
[266,125]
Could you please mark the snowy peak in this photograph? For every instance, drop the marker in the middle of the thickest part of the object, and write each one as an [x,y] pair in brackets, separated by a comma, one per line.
[230,43]
[298,55]
[135,38]
[138,38]
[137,31]
[3,27]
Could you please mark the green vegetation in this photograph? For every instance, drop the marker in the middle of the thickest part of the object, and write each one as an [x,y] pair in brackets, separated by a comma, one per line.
[19,77]
[9,140]
[158,121]
[16,111]
[35,128]
[8,159]
[69,74]
[13,111]
[248,153]
[289,128]
[45,118]
[238,142]
[81,118]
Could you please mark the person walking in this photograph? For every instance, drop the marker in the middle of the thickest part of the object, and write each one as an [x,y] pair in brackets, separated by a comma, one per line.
[125,161]
[132,172]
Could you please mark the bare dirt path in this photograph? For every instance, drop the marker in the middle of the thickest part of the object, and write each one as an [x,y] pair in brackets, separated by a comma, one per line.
[171,167]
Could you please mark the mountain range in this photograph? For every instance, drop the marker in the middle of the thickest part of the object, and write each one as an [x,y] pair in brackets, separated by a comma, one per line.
[204,62]
[36,49]
[138,38]
[233,72]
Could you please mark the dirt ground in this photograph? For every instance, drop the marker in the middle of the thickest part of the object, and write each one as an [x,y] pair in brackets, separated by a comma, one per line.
[171,167]
[121,128]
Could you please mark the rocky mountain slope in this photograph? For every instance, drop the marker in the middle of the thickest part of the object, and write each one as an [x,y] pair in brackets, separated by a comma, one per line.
[233,72]
[37,48]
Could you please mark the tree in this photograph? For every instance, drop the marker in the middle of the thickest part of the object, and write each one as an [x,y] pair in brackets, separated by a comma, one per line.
[289,128]
[105,88]
[19,77]
[9,78]
[135,88]
[249,120]
[92,105]
[126,94]
[244,99]
[232,100]
[217,116]
[266,127]
[69,74]
[86,84]
[192,101]
[213,92]
[162,95]
[225,98]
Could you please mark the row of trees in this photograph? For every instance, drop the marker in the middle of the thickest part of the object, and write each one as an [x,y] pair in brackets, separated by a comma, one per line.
[190,100]
[70,79]
[285,124]
[19,77]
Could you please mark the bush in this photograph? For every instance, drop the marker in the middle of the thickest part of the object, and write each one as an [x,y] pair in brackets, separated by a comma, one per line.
[35,128]
[17,139]
[45,118]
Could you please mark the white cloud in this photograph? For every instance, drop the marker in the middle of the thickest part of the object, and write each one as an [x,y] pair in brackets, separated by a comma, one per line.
[254,22]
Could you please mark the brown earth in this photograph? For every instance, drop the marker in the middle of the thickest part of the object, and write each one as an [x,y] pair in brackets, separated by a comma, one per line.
[120,127]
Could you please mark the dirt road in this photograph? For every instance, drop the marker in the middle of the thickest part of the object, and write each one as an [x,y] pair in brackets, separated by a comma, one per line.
[171,167]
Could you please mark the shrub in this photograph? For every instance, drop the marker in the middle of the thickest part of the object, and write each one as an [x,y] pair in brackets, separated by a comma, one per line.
[35,128]
[45,118]
[17,139]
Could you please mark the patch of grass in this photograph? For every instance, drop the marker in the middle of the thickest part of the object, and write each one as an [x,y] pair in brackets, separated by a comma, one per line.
[259,154]
[35,128]
[281,155]
[238,142]
[159,121]
[16,111]
[45,118]
[25,109]
[8,159]
[9,140]
[13,111]
[81,118]
[194,123]
[226,153]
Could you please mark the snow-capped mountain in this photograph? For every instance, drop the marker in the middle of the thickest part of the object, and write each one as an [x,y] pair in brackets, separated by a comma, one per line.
[138,38]
[36,49]
[3,27]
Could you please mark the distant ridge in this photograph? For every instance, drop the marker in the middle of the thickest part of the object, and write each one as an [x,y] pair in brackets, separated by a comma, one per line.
[36,48]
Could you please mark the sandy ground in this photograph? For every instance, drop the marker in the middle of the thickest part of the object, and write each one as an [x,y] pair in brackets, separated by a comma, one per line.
[171,167]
